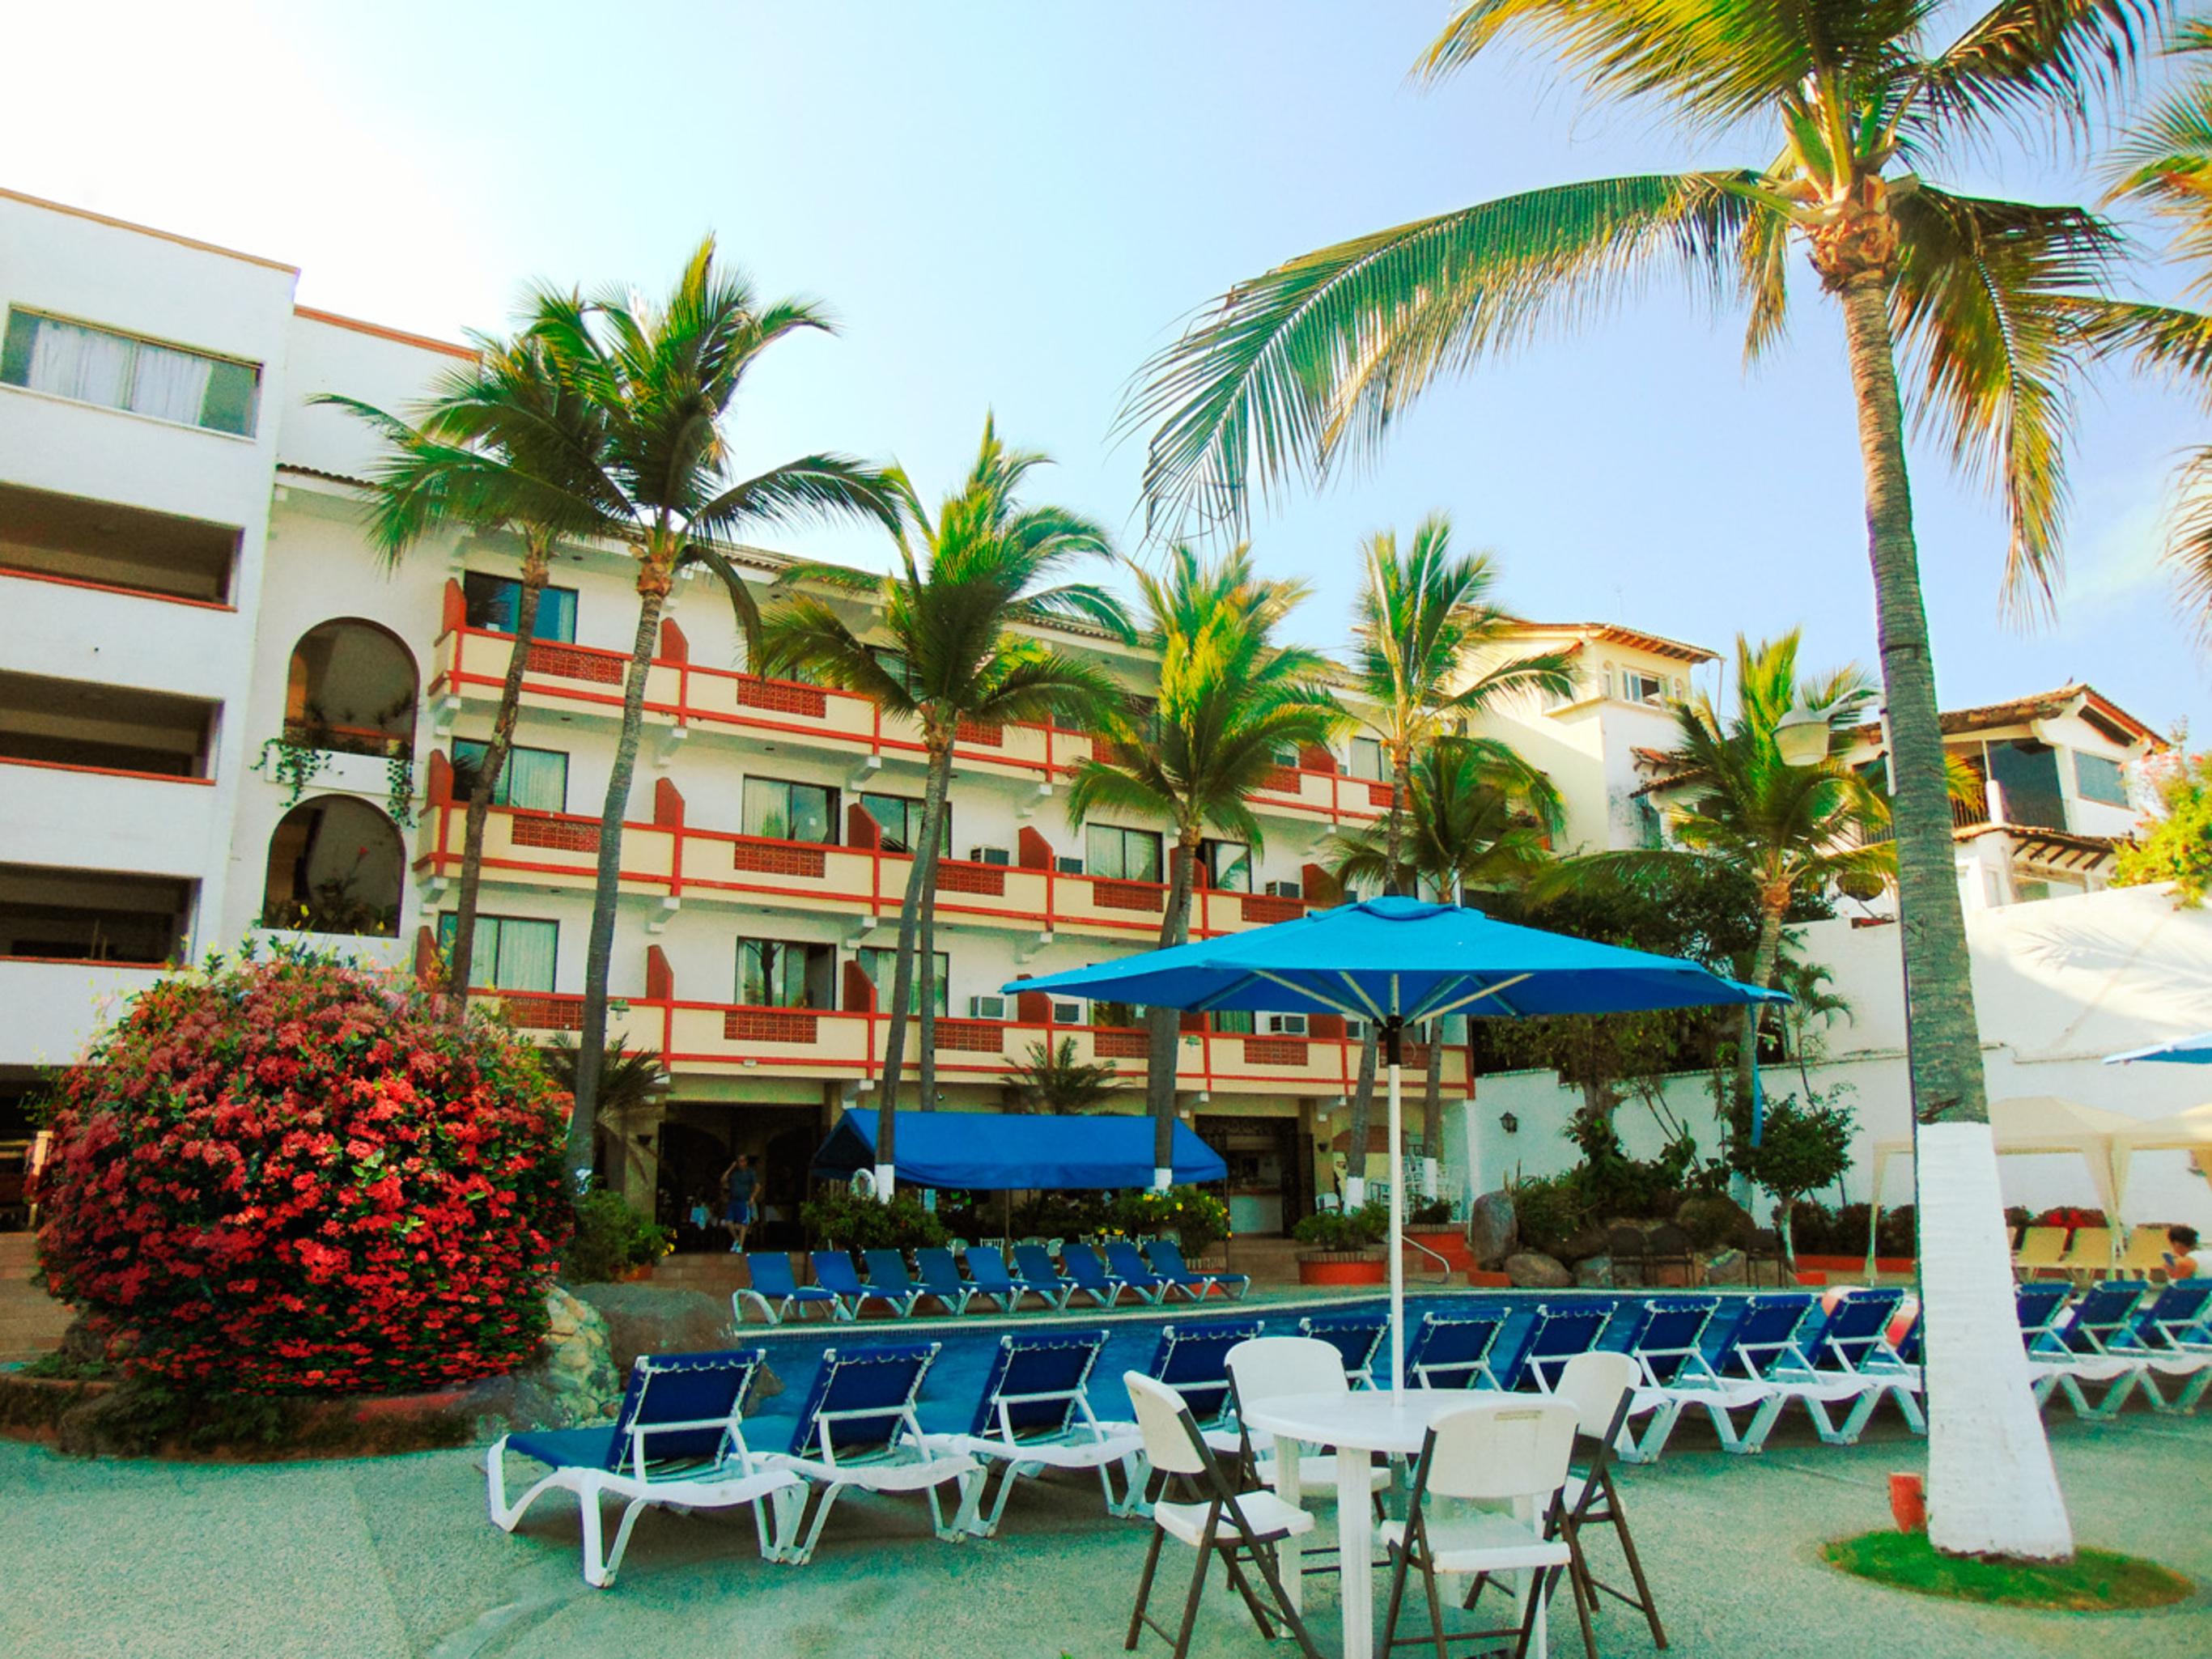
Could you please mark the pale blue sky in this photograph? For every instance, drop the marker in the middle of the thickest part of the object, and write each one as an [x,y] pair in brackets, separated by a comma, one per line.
[1010,205]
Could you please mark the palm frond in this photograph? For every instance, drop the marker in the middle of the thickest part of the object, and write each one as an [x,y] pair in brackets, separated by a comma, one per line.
[1981,310]
[2024,65]
[1295,370]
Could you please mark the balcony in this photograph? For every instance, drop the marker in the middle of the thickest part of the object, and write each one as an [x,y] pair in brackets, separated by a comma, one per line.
[104,775]
[109,547]
[470,664]
[821,1043]
[684,865]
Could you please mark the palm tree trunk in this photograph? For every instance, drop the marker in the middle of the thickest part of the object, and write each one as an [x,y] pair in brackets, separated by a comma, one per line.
[940,786]
[1991,1487]
[653,586]
[921,877]
[1773,906]
[463,959]
[1166,1023]
[1363,1098]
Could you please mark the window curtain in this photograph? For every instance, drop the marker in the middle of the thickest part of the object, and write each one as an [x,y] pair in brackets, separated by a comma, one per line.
[80,363]
[170,386]
[537,780]
[525,952]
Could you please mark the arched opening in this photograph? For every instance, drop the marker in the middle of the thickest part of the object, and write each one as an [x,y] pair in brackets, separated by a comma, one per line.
[336,865]
[351,687]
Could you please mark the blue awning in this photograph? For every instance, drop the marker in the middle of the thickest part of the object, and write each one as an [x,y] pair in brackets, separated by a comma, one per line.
[990,1151]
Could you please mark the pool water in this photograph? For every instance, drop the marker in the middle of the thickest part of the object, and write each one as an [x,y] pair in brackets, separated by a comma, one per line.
[949,1392]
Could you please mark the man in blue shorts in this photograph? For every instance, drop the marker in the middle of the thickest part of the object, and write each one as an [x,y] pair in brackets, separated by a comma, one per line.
[739,1181]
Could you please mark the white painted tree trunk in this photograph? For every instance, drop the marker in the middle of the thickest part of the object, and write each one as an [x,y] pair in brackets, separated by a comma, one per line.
[1162,1180]
[1432,1176]
[1355,1190]
[1991,1486]
[886,1181]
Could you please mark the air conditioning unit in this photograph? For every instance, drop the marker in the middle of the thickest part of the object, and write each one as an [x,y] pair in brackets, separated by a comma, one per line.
[1068,1013]
[987,1007]
[1286,1026]
[1068,865]
[990,855]
[1286,889]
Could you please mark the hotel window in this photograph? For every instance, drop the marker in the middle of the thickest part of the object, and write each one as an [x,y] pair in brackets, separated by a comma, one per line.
[1366,759]
[1232,1022]
[2100,777]
[1636,686]
[894,664]
[773,973]
[119,371]
[493,602]
[1228,866]
[901,818]
[511,953]
[536,780]
[791,812]
[1121,855]
[880,963]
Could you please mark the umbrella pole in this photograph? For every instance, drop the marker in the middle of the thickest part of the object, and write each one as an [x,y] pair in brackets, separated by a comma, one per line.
[1397,1219]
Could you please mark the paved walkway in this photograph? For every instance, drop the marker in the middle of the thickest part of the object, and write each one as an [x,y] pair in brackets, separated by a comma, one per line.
[393,1559]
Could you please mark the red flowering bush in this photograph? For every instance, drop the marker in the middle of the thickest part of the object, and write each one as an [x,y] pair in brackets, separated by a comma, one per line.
[2070,1215]
[292,1174]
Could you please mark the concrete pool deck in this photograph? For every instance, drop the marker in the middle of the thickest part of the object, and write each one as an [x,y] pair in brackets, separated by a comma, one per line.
[393,1559]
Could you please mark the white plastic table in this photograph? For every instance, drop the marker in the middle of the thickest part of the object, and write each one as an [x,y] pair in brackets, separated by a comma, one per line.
[1356,1426]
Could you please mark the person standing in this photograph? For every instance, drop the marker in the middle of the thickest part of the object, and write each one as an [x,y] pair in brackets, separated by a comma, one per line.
[739,1183]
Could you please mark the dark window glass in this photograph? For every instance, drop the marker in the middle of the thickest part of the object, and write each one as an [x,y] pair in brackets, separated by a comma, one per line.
[880,964]
[901,818]
[534,779]
[493,603]
[2100,777]
[777,810]
[773,973]
[2027,774]
[511,953]
[1228,866]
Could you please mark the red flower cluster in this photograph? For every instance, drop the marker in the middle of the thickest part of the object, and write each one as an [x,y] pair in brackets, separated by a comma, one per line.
[2070,1215]
[294,1174]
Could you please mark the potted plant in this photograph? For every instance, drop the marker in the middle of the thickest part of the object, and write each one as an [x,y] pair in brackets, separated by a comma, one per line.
[1429,1221]
[1341,1247]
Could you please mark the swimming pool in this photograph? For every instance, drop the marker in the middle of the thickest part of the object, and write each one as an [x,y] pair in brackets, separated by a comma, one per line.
[949,1391]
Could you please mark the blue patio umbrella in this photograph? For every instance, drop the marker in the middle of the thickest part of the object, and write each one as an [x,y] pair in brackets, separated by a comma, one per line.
[1395,961]
[2185,1051]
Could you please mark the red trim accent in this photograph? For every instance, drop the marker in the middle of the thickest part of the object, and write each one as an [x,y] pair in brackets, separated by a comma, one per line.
[446,348]
[22,574]
[103,771]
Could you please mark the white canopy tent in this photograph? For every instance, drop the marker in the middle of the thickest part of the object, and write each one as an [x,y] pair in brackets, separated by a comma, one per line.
[2189,1132]
[2047,1123]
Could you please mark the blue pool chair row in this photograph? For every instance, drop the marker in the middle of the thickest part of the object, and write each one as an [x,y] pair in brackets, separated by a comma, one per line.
[840,1291]
[2118,1339]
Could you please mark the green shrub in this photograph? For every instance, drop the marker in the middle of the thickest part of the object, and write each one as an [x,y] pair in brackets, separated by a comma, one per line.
[1713,1223]
[1549,1210]
[837,1217]
[1429,1213]
[1063,1215]
[610,1238]
[1342,1229]
[1199,1219]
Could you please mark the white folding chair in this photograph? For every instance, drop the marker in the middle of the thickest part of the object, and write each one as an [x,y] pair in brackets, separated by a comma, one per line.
[1481,1456]
[1246,1525]
[1267,1367]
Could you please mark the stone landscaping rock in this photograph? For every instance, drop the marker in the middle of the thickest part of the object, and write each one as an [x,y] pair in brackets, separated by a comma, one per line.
[1588,1242]
[1532,1270]
[1727,1267]
[575,1381]
[643,1318]
[1595,1272]
[1493,1232]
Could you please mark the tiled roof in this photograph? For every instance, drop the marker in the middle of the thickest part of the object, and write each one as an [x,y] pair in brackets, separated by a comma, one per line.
[1634,638]
[2092,703]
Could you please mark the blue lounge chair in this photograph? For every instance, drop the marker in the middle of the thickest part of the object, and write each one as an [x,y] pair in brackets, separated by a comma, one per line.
[2095,1351]
[1034,1414]
[2038,1306]
[940,1278]
[1038,1276]
[989,1279]
[1194,1361]
[889,1279]
[1356,1340]
[1452,1351]
[1165,1256]
[677,1441]
[1666,1336]
[778,1295]
[1856,1336]
[1554,1336]
[833,1271]
[1125,1265]
[1081,1264]
[857,1427]
[2172,1338]
[1862,1369]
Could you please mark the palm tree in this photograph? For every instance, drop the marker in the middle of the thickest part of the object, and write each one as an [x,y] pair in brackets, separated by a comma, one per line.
[660,380]
[1424,621]
[953,651]
[498,447]
[1230,702]
[2164,164]
[1055,1078]
[1476,820]
[1298,370]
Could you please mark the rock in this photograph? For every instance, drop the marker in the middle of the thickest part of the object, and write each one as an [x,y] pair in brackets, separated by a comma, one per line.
[1712,1221]
[1727,1267]
[643,1318]
[1531,1270]
[1586,1242]
[576,1380]
[1493,1232]
[1595,1272]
